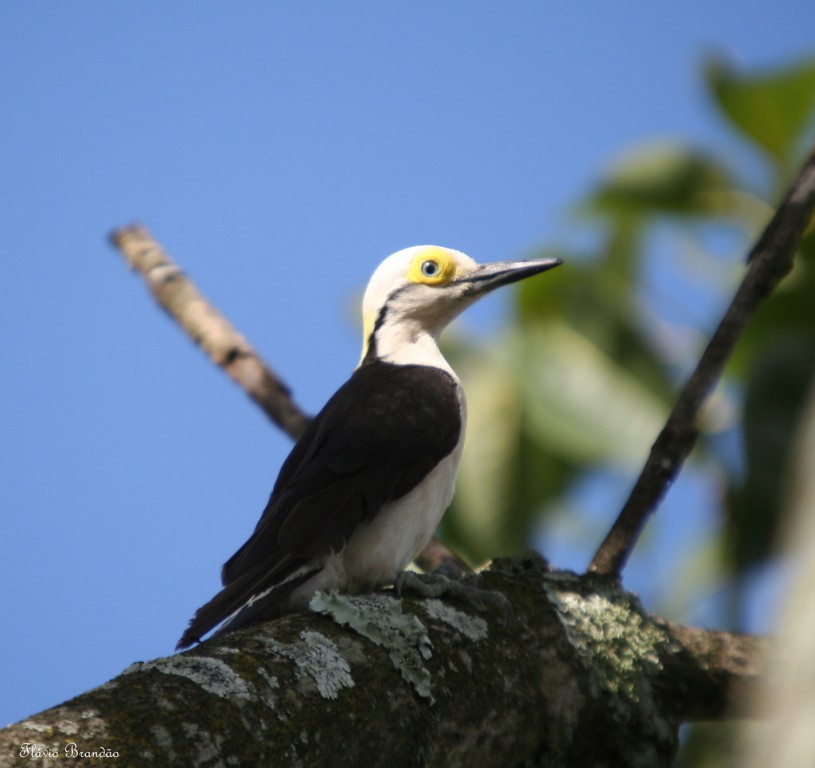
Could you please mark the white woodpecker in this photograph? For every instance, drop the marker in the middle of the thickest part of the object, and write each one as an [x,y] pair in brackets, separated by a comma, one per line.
[365,487]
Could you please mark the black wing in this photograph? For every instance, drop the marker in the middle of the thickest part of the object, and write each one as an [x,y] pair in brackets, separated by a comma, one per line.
[374,441]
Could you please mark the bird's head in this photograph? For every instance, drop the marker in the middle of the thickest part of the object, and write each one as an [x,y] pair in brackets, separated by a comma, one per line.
[416,292]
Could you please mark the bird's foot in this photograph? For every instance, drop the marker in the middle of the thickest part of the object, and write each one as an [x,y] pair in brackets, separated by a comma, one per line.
[436,584]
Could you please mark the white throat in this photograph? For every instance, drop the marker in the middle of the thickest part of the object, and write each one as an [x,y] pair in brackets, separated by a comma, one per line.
[409,343]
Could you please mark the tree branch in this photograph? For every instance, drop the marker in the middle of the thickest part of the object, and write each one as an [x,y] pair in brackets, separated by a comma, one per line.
[770,260]
[578,675]
[208,328]
[709,679]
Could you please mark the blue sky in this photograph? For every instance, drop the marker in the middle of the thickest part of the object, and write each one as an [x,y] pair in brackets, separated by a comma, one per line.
[279,151]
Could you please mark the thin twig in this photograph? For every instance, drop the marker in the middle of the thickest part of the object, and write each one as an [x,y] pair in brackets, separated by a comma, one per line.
[770,260]
[178,295]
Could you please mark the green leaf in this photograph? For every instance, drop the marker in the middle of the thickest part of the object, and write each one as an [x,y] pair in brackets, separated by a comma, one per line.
[788,312]
[489,472]
[771,108]
[544,403]
[602,305]
[583,404]
[783,374]
[663,178]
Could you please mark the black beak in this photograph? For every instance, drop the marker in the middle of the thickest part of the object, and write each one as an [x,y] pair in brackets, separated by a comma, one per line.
[486,277]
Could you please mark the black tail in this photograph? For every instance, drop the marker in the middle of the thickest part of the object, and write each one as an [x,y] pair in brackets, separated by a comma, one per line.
[241,600]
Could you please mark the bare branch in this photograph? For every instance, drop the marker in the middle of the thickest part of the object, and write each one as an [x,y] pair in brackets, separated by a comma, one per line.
[180,298]
[770,260]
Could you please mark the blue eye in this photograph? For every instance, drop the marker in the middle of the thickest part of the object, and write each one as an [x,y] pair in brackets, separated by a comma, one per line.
[430,268]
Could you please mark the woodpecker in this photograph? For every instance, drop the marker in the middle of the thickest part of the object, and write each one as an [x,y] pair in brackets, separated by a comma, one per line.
[363,490]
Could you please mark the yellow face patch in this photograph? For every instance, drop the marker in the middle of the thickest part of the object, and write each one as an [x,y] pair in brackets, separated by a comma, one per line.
[432,266]
[368,321]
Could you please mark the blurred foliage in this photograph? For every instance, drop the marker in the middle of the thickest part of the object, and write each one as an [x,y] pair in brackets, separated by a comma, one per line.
[586,376]
[773,109]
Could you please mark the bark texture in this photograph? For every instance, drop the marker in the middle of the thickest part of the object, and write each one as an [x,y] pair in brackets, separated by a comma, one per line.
[574,673]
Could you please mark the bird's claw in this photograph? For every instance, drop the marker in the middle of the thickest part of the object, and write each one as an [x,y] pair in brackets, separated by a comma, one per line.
[435,585]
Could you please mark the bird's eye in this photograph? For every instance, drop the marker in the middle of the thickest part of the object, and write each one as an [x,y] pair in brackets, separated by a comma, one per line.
[430,268]
[432,265]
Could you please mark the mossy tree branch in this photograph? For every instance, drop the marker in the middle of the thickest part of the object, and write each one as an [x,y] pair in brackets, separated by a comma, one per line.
[578,674]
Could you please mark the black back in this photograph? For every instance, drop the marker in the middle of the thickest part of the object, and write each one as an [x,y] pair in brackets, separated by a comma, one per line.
[375,440]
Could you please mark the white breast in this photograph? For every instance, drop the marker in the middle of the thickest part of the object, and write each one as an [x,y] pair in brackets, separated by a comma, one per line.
[382,549]
[377,552]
